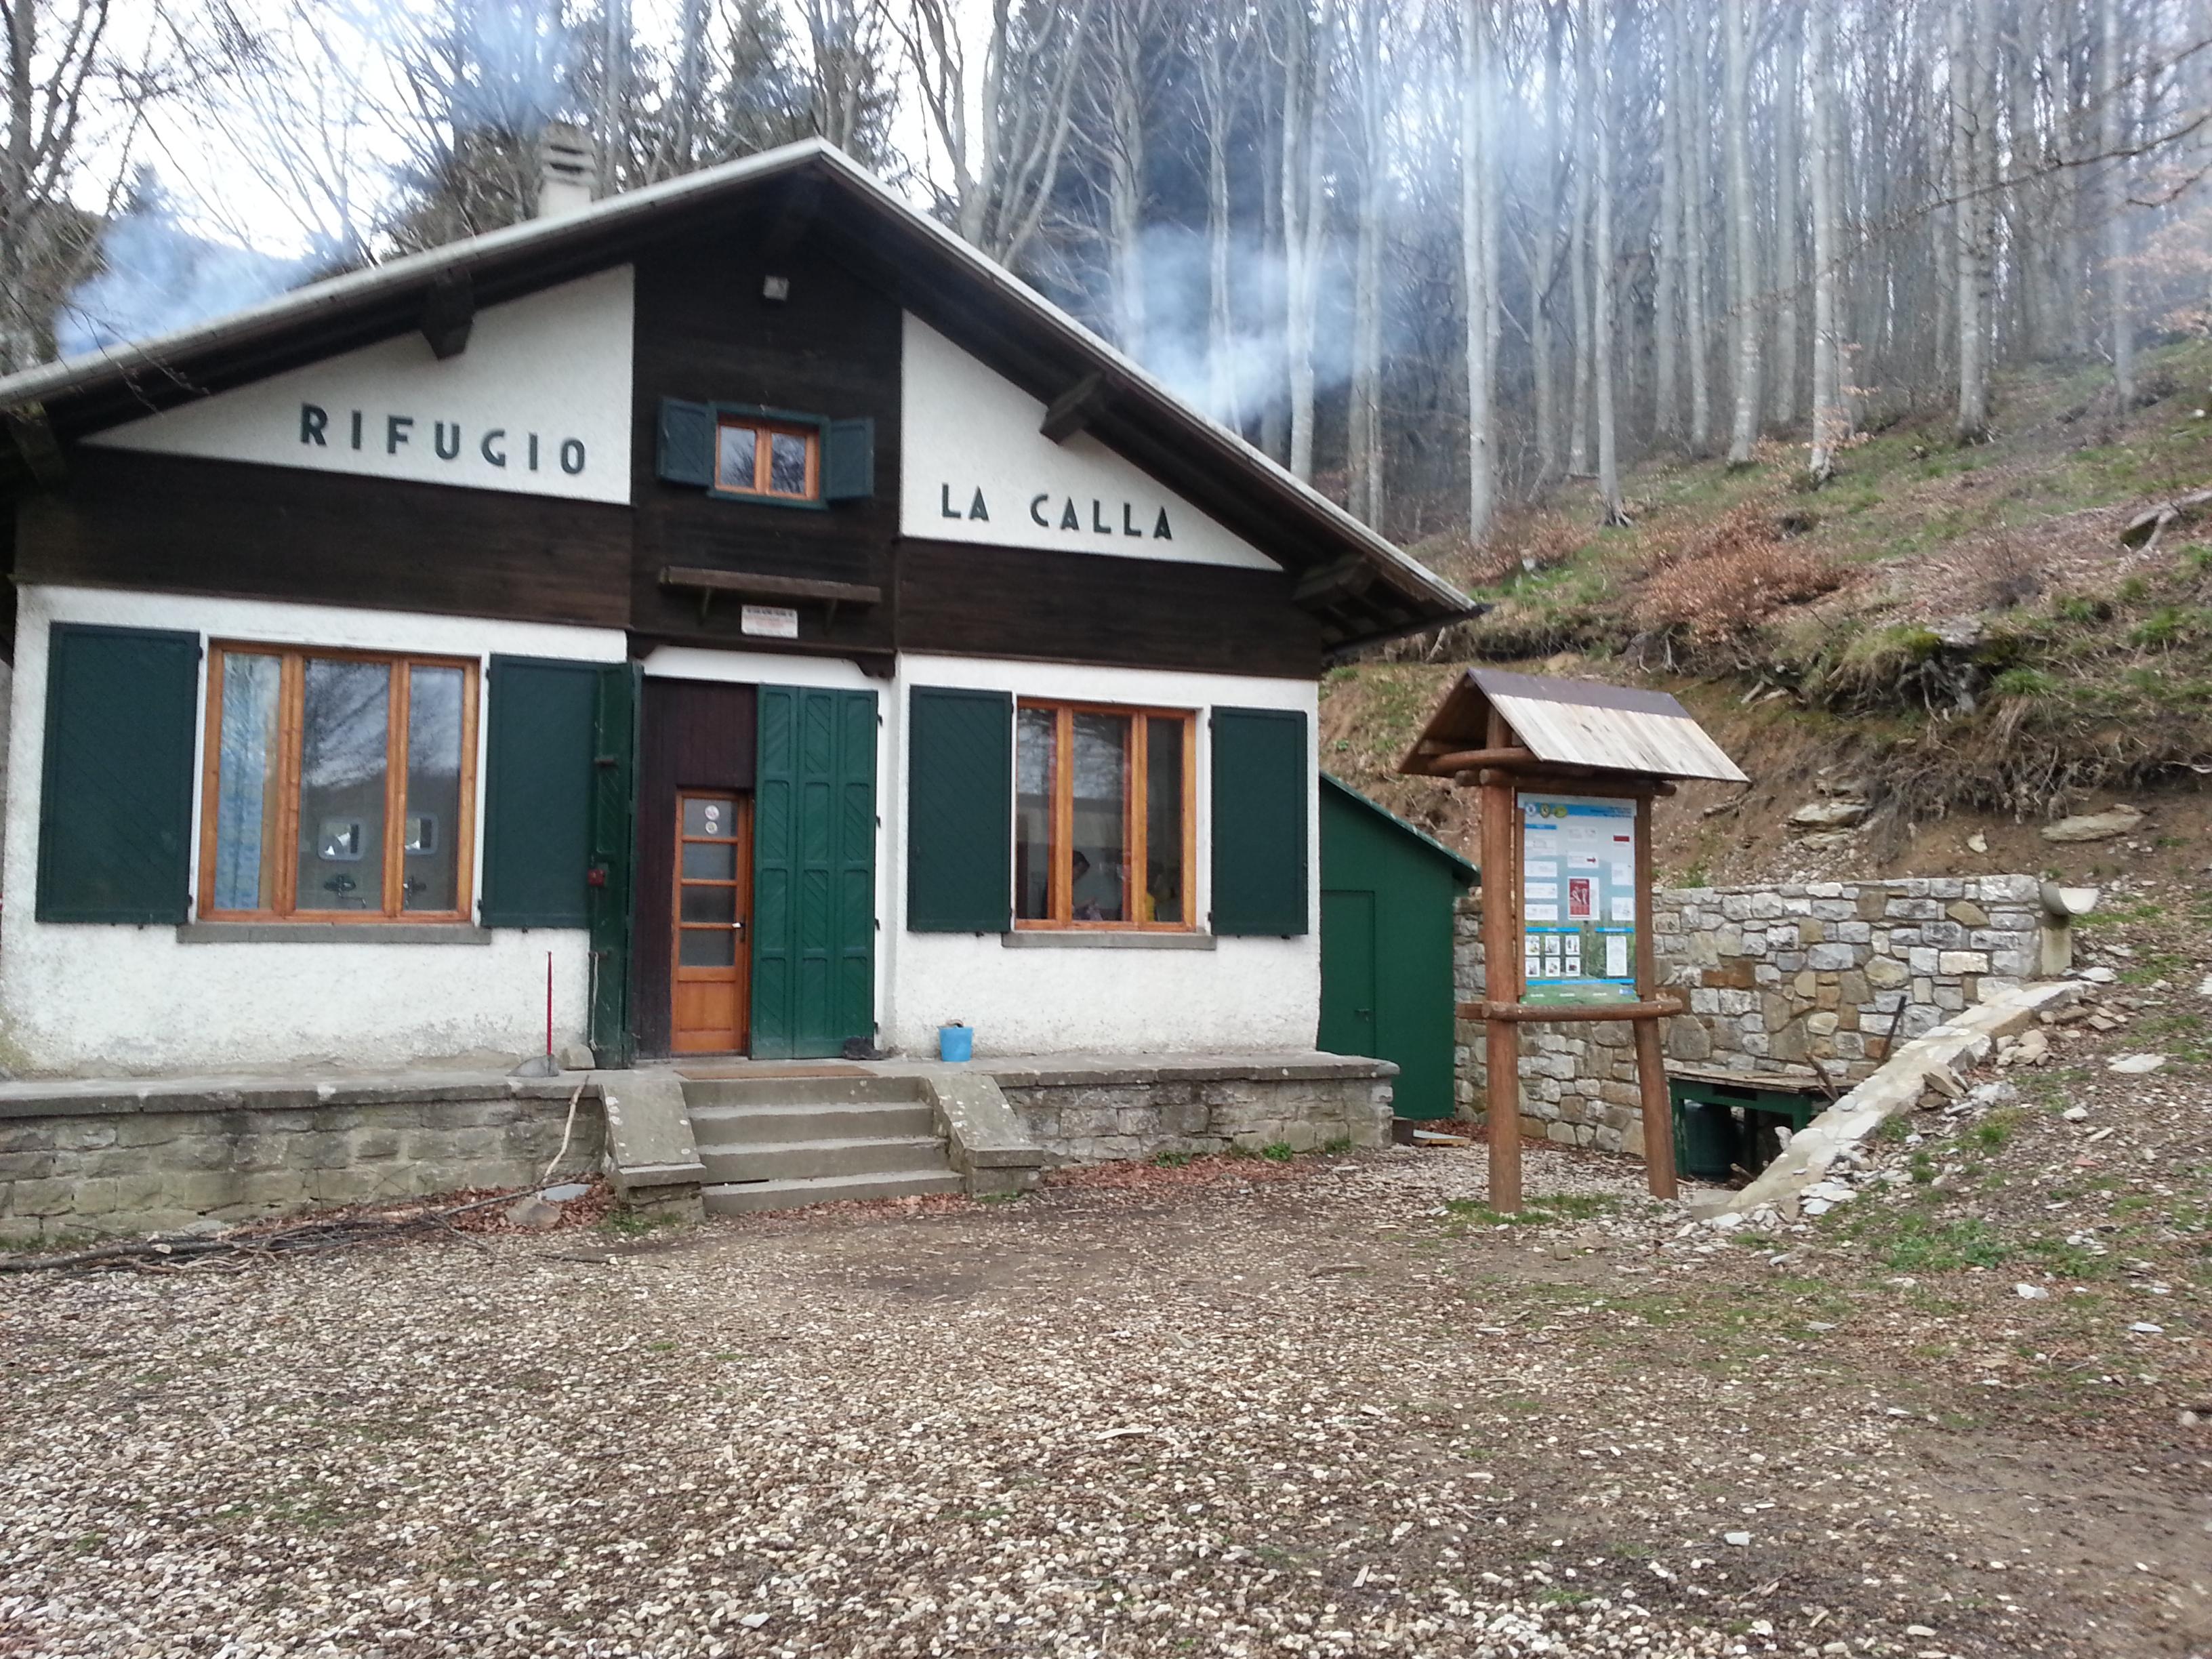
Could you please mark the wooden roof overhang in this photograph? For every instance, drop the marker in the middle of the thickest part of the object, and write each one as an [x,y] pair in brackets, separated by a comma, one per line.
[1359,588]
[1566,728]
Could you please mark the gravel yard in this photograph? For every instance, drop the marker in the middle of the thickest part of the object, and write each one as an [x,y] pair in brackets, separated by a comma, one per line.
[1329,1407]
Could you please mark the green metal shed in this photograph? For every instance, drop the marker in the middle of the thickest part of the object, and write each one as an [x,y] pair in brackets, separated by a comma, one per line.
[1387,894]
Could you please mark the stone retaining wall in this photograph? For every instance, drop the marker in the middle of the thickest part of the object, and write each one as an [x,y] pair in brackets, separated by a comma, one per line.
[1092,1111]
[79,1160]
[1812,981]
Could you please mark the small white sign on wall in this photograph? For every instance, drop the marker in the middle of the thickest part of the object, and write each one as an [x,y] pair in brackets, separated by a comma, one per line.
[770,622]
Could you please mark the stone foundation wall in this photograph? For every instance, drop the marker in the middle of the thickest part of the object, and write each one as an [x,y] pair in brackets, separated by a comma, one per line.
[1806,979]
[1092,1113]
[76,1162]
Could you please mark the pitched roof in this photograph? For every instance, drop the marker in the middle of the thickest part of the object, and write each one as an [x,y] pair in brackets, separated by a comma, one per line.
[1362,588]
[1573,723]
[1464,870]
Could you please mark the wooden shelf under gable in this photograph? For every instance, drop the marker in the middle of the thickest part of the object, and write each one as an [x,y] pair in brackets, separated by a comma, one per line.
[781,590]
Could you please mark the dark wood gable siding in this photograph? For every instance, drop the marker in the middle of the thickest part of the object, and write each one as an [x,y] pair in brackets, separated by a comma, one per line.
[124,518]
[706,334]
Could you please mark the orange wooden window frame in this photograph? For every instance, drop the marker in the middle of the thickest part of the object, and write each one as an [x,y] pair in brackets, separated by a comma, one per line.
[1136,826]
[291,702]
[762,431]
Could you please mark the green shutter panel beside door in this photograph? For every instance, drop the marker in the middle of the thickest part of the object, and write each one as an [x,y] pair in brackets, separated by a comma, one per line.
[960,811]
[617,699]
[814,872]
[1263,783]
[538,792]
[115,803]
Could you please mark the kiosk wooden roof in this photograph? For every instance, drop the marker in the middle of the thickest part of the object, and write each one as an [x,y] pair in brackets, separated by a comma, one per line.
[1566,726]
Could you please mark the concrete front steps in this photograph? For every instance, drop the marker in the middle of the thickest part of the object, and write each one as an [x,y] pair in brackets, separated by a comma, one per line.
[783,1143]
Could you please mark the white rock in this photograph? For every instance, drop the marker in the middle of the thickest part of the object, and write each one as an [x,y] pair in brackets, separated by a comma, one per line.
[2075,1113]
[2094,826]
[2205,986]
[2097,976]
[1739,1539]
[2137,1064]
[752,1620]
[1977,842]
[1829,814]
[2031,1292]
[2144,1328]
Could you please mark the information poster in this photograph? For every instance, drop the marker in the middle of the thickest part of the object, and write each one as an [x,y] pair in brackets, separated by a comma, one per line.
[1577,899]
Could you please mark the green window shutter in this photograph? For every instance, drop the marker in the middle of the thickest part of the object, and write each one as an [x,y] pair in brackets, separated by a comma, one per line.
[618,696]
[848,460]
[115,802]
[814,872]
[687,443]
[538,792]
[1263,781]
[960,811]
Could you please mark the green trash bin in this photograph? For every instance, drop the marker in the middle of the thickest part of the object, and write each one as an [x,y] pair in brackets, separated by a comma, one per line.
[1706,1139]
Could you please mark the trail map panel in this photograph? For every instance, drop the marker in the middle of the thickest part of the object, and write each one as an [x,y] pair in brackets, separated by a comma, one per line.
[1577,899]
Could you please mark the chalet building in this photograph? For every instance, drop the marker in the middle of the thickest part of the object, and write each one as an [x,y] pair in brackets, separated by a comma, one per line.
[737,598]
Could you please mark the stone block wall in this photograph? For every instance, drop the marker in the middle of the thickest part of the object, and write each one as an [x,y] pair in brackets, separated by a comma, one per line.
[1814,981]
[77,1163]
[1091,1113]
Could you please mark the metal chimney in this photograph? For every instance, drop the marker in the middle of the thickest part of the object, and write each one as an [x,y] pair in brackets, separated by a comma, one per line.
[565,170]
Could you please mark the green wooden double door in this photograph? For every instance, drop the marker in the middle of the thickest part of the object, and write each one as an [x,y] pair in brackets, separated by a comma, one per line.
[562,771]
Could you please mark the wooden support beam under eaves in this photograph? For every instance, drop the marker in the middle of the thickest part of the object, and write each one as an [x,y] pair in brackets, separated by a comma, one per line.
[449,313]
[1074,408]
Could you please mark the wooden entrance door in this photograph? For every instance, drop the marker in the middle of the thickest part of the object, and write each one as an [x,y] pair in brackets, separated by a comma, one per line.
[709,980]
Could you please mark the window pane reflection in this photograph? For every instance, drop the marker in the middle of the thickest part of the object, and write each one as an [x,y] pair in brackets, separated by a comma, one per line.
[786,464]
[734,457]
[430,860]
[248,807]
[1101,855]
[344,717]
[1036,768]
[707,947]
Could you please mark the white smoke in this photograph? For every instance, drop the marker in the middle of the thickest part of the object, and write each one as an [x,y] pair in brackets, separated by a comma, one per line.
[156,275]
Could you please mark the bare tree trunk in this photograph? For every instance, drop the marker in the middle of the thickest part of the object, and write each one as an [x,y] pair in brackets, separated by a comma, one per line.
[1552,241]
[1578,272]
[1119,113]
[1218,113]
[1307,41]
[1363,421]
[1969,210]
[610,120]
[1601,336]
[1827,350]
[1478,190]
[1667,296]
[2111,53]
[1743,249]
[1789,75]
[1697,135]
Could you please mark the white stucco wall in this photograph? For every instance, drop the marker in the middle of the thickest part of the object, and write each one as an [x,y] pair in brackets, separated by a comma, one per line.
[1244,996]
[104,1000]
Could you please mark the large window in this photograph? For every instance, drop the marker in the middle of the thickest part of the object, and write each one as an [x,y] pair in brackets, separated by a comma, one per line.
[339,786]
[761,457]
[1102,824]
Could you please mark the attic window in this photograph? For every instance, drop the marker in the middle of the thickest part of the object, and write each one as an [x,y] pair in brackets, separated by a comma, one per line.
[755,458]
[777,457]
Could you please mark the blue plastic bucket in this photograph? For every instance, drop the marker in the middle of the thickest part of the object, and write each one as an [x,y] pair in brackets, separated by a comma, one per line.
[956,1042]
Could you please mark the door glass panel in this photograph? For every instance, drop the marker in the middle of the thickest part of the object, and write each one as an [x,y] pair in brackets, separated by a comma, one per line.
[709,818]
[1101,855]
[709,860]
[1035,766]
[707,947]
[733,457]
[248,804]
[786,464]
[1164,811]
[431,850]
[718,904]
[343,721]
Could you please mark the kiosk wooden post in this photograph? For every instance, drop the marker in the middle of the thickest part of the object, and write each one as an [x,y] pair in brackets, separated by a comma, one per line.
[1511,734]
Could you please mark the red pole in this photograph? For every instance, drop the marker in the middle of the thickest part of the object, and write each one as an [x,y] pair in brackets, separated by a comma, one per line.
[549,1004]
